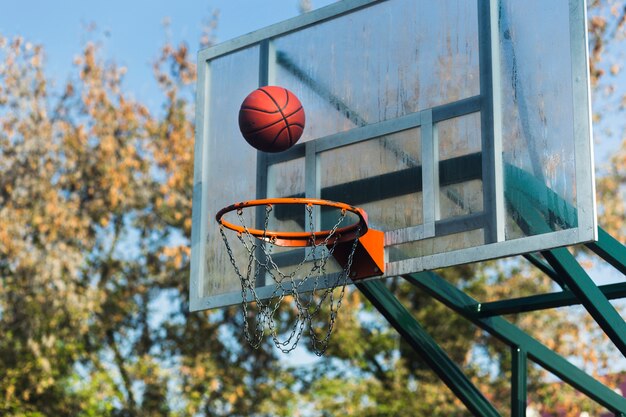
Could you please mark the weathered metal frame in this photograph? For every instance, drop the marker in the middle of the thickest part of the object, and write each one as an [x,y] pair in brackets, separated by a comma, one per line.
[523,346]
[486,104]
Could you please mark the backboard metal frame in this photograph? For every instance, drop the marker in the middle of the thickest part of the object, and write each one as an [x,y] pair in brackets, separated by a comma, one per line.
[487,104]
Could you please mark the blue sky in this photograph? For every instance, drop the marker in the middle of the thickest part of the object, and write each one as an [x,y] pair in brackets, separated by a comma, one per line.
[132,31]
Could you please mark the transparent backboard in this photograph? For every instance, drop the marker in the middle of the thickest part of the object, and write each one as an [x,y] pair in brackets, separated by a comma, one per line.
[462,127]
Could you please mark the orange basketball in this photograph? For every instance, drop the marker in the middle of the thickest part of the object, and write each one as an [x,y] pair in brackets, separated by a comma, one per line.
[271,119]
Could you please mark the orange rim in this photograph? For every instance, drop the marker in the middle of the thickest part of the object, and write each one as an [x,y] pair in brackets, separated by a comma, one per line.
[297,239]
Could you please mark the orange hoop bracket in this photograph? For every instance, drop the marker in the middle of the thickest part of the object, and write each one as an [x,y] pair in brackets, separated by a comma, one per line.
[297,239]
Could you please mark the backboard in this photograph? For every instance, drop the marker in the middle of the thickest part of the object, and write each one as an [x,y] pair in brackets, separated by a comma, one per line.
[462,127]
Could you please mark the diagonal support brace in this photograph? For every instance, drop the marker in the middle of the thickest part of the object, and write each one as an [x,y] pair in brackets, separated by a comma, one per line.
[464,305]
[583,287]
[427,348]
[610,249]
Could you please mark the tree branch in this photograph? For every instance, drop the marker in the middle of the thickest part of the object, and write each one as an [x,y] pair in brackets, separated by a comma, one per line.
[119,361]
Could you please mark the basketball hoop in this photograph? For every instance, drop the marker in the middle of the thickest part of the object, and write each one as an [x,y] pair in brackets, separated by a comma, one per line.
[344,243]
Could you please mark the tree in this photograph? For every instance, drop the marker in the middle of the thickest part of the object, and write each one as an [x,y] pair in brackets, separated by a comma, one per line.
[96,207]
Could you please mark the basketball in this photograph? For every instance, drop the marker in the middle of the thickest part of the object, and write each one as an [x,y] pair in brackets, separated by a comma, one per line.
[271,119]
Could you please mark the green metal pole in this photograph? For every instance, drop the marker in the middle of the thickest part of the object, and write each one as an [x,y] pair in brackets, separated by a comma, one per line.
[609,249]
[465,305]
[519,382]
[427,348]
[544,301]
[545,268]
[590,296]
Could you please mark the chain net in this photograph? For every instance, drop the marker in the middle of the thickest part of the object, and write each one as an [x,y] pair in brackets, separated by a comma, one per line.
[309,286]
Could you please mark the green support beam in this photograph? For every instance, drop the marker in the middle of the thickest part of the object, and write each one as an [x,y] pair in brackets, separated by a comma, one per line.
[465,305]
[570,273]
[544,301]
[589,295]
[545,268]
[427,348]
[519,383]
[609,249]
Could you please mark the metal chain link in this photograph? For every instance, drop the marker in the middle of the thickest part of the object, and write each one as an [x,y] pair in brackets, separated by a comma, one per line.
[289,285]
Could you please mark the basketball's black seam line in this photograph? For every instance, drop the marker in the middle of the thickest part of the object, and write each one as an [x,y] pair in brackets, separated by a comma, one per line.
[272,124]
[278,134]
[247,132]
[280,109]
[295,125]
[285,118]
[289,125]
[281,112]
[259,110]
[268,112]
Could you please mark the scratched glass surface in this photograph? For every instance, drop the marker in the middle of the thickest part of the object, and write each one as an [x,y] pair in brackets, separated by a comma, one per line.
[537,116]
[381,62]
[236,161]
